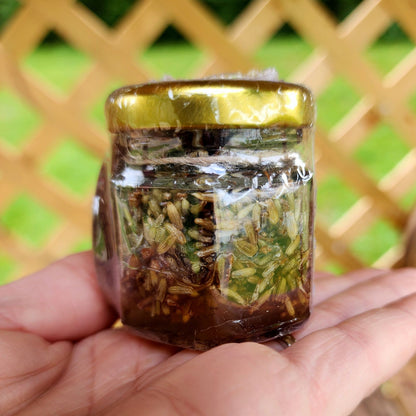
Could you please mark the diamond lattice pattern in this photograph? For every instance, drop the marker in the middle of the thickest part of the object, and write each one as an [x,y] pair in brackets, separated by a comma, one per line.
[60,118]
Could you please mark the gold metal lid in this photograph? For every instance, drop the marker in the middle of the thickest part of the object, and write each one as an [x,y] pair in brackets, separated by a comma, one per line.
[213,103]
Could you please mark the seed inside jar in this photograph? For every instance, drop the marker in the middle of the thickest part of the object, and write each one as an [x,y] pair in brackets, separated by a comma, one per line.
[244,252]
[201,260]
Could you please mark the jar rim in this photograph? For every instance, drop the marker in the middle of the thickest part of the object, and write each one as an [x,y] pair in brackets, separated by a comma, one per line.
[210,103]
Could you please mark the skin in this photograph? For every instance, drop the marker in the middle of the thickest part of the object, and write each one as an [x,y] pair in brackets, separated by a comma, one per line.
[59,355]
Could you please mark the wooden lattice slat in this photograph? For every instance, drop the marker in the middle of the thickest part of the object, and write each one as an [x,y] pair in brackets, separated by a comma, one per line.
[22,42]
[249,31]
[113,52]
[208,34]
[360,28]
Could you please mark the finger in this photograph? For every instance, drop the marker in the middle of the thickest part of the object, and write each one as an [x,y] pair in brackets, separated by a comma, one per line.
[29,367]
[364,295]
[329,285]
[104,368]
[230,379]
[347,362]
[327,373]
[319,274]
[174,361]
[62,301]
[358,292]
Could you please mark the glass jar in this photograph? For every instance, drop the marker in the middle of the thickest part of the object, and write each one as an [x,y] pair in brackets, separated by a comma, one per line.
[203,216]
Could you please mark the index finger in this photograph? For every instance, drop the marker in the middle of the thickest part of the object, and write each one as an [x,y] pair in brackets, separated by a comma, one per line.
[62,301]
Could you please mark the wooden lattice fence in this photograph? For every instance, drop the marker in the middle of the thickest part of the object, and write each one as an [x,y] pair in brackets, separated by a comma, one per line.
[338,51]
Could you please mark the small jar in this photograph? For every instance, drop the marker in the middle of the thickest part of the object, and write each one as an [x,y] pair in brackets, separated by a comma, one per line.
[204,211]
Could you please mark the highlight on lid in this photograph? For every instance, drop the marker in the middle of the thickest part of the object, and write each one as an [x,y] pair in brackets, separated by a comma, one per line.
[213,103]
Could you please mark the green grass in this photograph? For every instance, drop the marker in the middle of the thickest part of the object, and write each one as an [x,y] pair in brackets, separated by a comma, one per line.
[384,56]
[377,241]
[285,55]
[29,220]
[334,198]
[61,67]
[175,60]
[17,119]
[335,102]
[7,268]
[73,167]
[391,150]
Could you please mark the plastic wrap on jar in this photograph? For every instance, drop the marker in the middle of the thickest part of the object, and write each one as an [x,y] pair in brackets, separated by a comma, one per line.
[204,211]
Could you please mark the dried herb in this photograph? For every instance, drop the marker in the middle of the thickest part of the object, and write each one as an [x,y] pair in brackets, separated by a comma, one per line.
[209,258]
[245,245]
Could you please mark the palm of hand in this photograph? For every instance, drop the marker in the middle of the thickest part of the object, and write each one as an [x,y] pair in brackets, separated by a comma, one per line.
[361,331]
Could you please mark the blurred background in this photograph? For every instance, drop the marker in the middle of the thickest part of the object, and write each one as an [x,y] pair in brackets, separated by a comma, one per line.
[60,59]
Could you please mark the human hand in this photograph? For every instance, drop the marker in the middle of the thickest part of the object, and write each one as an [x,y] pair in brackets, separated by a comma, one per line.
[59,356]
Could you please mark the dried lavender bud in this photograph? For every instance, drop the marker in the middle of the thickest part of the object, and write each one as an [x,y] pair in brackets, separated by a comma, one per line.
[193,256]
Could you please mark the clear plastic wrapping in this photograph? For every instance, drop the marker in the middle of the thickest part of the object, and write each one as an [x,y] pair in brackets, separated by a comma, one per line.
[203,234]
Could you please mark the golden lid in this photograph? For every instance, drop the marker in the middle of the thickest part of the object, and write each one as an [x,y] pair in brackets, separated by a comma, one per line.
[213,103]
